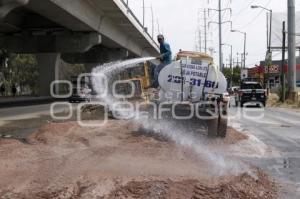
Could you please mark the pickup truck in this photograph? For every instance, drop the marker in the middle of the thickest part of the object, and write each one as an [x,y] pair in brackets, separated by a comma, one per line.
[251,93]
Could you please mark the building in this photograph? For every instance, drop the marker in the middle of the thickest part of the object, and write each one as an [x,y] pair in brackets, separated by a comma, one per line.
[274,73]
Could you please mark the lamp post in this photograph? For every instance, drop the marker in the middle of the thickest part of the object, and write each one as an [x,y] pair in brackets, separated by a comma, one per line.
[245,41]
[231,68]
[271,19]
[270,39]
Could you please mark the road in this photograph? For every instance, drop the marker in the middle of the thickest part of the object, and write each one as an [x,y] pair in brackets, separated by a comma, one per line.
[24,111]
[18,122]
[279,130]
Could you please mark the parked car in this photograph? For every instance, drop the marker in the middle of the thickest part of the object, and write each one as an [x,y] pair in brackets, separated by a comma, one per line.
[252,93]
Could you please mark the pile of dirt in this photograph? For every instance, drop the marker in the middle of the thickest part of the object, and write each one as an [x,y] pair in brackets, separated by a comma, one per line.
[64,160]
[240,187]
[52,132]
[274,101]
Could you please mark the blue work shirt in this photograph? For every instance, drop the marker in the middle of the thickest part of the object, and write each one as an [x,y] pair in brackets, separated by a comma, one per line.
[166,53]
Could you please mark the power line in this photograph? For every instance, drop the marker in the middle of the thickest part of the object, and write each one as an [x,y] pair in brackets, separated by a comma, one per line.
[256,17]
[227,6]
[242,10]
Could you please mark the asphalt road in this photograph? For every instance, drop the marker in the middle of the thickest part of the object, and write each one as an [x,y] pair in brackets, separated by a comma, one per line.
[279,130]
[25,112]
[19,122]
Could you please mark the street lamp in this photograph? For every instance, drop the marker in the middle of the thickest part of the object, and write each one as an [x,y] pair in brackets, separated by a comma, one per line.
[231,68]
[270,38]
[245,41]
[271,16]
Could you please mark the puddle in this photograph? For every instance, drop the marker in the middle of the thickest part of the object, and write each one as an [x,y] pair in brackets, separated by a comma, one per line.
[18,134]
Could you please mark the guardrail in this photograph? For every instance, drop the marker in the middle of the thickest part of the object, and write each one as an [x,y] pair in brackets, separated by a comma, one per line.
[125,3]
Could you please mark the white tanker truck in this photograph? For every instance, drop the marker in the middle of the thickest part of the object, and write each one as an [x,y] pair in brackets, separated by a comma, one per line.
[194,87]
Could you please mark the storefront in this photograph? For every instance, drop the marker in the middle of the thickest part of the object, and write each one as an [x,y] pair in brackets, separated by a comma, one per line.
[273,73]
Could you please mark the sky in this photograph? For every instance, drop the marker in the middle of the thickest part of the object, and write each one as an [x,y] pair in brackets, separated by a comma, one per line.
[179,21]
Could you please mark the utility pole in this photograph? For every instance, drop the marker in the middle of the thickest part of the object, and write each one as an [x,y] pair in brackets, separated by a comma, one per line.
[230,58]
[242,60]
[267,30]
[283,63]
[144,14]
[200,40]
[220,37]
[291,47]
[205,32]
[269,42]
[158,29]
[220,23]
[238,61]
[270,37]
[245,42]
[152,16]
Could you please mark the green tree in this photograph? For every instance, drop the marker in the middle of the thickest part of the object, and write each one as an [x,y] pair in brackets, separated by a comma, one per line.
[22,69]
[234,75]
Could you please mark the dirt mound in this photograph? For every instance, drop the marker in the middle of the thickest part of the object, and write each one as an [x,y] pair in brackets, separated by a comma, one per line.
[5,142]
[244,186]
[64,160]
[240,187]
[273,100]
[233,136]
[52,131]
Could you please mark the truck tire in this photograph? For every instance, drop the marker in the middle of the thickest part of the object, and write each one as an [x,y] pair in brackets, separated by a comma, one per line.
[222,127]
[212,127]
[242,104]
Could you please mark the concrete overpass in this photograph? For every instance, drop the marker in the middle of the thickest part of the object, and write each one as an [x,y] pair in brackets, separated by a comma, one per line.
[78,31]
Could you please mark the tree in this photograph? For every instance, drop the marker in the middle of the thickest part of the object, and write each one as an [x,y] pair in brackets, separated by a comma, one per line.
[22,69]
[234,75]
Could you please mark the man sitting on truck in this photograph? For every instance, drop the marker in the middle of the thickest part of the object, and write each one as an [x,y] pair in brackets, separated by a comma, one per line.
[165,58]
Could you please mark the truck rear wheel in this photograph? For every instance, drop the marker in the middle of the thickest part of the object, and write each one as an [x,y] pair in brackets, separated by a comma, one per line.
[222,127]
[242,104]
[212,127]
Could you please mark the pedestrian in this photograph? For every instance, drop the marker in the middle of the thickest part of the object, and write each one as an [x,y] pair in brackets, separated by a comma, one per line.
[14,90]
[165,58]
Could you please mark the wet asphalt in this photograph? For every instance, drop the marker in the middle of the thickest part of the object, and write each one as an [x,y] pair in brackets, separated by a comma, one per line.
[278,129]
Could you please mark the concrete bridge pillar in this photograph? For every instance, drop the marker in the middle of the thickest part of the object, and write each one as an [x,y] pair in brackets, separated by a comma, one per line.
[49,71]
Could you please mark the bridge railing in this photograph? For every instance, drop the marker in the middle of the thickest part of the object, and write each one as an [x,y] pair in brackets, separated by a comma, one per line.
[125,3]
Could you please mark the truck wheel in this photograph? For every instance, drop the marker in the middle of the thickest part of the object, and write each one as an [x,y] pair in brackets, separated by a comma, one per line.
[242,104]
[212,126]
[222,127]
